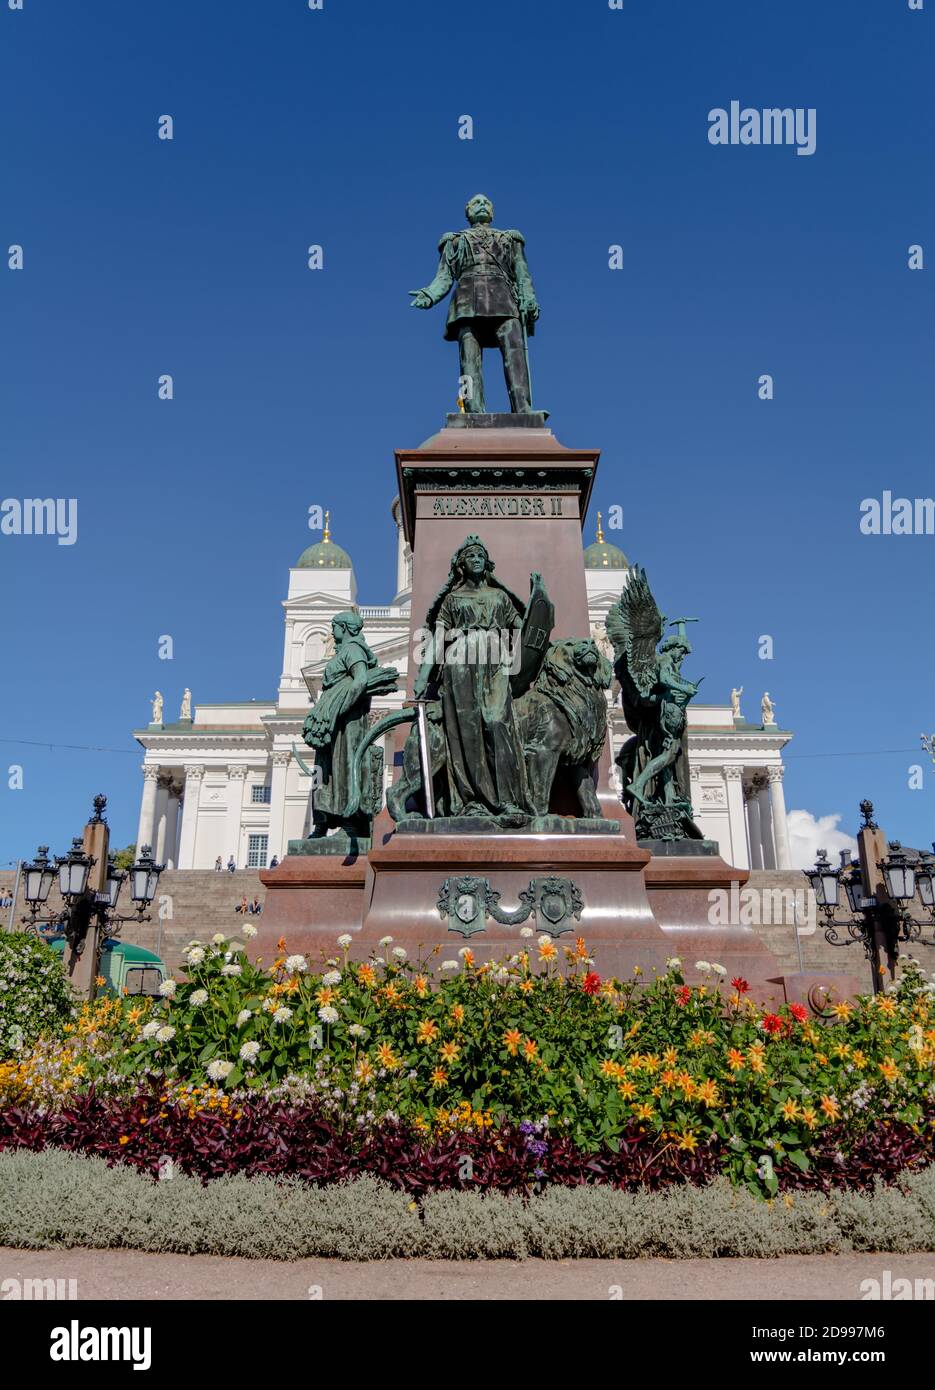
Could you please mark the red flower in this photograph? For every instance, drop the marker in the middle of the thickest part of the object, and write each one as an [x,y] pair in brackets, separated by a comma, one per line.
[772,1023]
[591,982]
[740,985]
[798,1012]
[683,994]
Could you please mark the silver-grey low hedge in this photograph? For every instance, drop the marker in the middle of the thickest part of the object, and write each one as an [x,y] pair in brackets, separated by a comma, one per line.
[53,1199]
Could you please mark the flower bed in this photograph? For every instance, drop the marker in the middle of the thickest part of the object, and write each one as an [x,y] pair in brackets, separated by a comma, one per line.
[534,1070]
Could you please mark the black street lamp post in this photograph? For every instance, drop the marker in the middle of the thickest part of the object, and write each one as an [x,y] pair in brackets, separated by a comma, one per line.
[86,907]
[878,921]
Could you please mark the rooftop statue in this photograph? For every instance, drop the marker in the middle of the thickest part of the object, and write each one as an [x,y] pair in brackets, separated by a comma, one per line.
[493,304]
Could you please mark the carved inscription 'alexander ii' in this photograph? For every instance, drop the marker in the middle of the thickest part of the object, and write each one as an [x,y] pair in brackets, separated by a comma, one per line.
[454,505]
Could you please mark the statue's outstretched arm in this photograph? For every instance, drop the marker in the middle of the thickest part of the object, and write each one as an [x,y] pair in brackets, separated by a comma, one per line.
[437,289]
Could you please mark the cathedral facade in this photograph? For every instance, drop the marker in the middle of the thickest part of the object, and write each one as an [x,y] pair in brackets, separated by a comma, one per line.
[232,781]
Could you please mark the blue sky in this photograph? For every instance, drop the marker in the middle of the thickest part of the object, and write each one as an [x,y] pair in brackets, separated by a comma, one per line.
[292,387]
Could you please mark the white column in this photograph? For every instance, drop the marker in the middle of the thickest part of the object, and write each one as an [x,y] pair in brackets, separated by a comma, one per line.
[277,807]
[754,829]
[147,826]
[236,780]
[193,776]
[738,830]
[780,828]
[162,802]
[766,827]
[170,848]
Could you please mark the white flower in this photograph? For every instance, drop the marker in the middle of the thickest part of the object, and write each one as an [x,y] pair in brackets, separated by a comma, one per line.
[249,1051]
[296,964]
[198,997]
[357,1030]
[333,977]
[718,969]
[544,939]
[526,931]
[449,965]
[151,1029]
[248,931]
[196,955]
[399,952]
[327,1014]
[385,941]
[673,962]
[345,940]
[282,1014]
[219,1071]
[167,989]
[702,967]
[165,1034]
[465,951]
[219,938]
[243,1017]
[231,970]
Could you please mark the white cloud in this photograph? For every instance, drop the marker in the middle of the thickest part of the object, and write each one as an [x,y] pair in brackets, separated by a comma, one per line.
[808,834]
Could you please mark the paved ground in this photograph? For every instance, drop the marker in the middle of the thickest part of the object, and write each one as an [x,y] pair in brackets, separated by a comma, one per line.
[115,1274]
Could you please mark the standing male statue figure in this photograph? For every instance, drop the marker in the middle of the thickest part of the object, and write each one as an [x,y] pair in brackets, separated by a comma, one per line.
[493,305]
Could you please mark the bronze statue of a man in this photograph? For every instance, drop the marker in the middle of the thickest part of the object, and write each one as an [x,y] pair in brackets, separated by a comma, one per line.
[493,304]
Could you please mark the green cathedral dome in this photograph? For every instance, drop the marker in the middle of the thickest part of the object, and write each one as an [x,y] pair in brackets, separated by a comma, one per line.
[324,554]
[601,555]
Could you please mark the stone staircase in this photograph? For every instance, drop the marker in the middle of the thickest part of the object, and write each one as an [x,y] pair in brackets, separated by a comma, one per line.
[190,903]
[777,891]
[200,902]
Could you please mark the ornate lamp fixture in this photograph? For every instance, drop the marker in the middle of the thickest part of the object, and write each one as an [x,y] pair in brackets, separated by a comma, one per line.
[81,904]
[875,924]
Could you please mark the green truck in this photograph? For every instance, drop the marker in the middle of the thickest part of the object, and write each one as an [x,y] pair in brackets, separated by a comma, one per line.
[126,969]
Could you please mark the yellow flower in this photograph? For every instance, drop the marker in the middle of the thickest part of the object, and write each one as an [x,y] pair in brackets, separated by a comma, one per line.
[530,1048]
[789,1109]
[547,951]
[449,1052]
[809,1118]
[511,1040]
[367,975]
[387,1058]
[643,1112]
[670,1056]
[439,1077]
[627,1089]
[889,1069]
[421,986]
[457,1013]
[427,1031]
[688,1142]
[527,985]
[830,1107]
[612,1069]
[124,1139]
[364,1071]
[735,1059]
[886,1005]
[708,1093]
[859,1058]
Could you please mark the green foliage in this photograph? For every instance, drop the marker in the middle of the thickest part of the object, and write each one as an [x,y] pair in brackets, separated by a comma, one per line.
[35,998]
[124,858]
[52,1200]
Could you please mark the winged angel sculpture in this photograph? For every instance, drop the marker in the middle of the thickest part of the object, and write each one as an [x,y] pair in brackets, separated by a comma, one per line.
[655,694]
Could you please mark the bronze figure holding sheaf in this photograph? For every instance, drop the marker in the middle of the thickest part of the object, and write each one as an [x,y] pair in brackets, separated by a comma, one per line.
[493,304]
[336,727]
